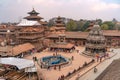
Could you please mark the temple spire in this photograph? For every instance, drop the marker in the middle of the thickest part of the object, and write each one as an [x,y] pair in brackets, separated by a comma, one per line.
[96,42]
[33,8]
[59,22]
[33,15]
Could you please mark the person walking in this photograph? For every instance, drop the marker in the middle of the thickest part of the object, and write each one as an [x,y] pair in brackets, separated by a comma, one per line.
[97,56]
[59,67]
[95,69]
[101,58]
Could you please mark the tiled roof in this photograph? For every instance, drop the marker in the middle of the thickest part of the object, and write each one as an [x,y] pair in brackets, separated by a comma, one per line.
[42,22]
[71,35]
[33,12]
[67,45]
[22,48]
[111,33]
[84,35]
[32,17]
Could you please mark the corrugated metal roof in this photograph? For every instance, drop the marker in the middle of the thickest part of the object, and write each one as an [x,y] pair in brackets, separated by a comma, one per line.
[28,23]
[18,62]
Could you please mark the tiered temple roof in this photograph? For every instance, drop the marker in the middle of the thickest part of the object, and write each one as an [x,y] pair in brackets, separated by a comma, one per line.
[95,42]
[32,30]
[59,26]
[59,22]
[96,34]
[33,15]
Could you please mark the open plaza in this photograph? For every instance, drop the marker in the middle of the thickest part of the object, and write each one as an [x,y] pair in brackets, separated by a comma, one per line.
[30,50]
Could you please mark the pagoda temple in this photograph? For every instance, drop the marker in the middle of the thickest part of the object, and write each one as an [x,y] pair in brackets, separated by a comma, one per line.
[96,42]
[31,29]
[59,26]
[33,15]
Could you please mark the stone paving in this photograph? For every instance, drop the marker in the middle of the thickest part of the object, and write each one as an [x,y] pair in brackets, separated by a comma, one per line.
[86,74]
[54,74]
[90,75]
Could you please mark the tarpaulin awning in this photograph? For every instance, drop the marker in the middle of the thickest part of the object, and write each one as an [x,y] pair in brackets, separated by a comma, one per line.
[18,62]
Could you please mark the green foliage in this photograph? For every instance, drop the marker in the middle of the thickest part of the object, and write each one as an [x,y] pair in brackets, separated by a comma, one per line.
[99,21]
[85,26]
[71,25]
[79,25]
[104,27]
[82,25]
[50,23]
[110,25]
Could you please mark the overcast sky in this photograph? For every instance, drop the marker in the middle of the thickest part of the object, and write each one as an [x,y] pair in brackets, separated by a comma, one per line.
[14,10]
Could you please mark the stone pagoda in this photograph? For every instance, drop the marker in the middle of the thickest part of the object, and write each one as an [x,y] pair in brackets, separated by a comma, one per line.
[96,42]
[59,26]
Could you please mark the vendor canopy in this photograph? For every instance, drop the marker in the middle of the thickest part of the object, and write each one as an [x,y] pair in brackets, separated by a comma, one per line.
[18,62]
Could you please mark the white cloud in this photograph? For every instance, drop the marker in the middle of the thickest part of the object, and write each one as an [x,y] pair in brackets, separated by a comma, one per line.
[105,6]
[76,9]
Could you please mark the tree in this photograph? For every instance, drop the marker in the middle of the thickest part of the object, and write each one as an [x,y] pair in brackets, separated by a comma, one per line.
[99,21]
[85,26]
[71,25]
[104,27]
[110,24]
[51,22]
[79,25]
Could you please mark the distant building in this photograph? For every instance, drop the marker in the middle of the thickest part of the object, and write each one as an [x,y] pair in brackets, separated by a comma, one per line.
[59,26]
[36,32]
[80,38]
[117,25]
[7,33]
[114,20]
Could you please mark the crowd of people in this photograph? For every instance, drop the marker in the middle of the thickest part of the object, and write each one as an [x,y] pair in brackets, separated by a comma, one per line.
[99,57]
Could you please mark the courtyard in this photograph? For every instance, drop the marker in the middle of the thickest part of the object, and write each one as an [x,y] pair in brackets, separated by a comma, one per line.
[54,74]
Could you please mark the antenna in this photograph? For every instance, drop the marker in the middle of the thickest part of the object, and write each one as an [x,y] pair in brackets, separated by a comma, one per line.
[33,7]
